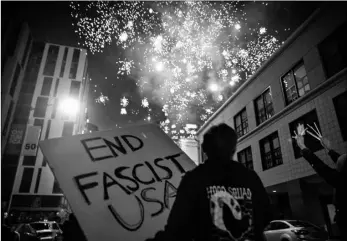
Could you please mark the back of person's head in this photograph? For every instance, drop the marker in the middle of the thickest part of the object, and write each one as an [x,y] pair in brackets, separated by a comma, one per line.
[220,142]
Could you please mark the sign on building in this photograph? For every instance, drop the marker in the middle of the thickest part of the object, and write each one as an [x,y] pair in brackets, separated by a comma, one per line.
[15,139]
[31,141]
[120,184]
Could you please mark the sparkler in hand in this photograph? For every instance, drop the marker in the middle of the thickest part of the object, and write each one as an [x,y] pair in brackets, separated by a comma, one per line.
[317,134]
[325,142]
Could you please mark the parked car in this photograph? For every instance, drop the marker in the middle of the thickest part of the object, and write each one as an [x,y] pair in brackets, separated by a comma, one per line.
[38,231]
[294,230]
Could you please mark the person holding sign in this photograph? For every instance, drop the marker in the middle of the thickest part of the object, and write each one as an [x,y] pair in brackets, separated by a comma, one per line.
[220,199]
[337,178]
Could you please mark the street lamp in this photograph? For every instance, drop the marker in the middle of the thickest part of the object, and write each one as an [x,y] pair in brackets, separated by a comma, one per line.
[69,106]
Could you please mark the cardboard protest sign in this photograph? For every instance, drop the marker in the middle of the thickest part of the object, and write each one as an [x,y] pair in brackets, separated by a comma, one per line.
[120,184]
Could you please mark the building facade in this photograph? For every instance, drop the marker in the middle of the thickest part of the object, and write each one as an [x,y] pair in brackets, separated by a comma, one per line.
[16,42]
[305,81]
[52,103]
[191,148]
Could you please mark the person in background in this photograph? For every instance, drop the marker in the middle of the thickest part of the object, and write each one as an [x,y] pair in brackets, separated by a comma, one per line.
[220,199]
[337,178]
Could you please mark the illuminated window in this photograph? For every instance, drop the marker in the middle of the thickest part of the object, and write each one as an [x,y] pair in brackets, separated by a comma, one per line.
[295,83]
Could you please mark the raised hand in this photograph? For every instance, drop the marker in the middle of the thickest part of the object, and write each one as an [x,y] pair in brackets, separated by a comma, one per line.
[299,136]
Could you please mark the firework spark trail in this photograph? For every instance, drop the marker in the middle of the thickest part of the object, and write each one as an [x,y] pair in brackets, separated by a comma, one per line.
[194,54]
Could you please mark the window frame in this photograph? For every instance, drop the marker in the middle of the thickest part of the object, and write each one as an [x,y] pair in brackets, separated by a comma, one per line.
[248,163]
[274,162]
[48,80]
[51,61]
[63,62]
[245,130]
[291,71]
[35,114]
[262,96]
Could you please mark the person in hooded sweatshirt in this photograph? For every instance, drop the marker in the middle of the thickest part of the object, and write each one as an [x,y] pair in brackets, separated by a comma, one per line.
[220,199]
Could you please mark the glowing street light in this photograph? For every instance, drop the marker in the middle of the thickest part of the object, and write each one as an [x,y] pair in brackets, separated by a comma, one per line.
[69,106]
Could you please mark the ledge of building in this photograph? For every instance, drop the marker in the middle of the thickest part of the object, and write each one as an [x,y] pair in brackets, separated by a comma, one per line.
[334,80]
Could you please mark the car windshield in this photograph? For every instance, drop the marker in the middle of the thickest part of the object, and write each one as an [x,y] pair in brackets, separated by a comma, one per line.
[301,224]
[40,226]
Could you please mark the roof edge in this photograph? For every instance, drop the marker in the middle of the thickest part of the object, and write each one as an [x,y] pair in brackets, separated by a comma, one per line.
[288,42]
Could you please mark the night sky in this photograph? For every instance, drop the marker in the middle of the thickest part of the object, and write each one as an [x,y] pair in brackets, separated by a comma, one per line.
[52,22]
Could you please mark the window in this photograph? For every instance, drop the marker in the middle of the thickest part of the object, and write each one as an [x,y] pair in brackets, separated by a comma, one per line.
[15,80]
[241,123]
[48,129]
[263,106]
[333,51]
[8,117]
[21,114]
[312,143]
[26,50]
[29,160]
[46,86]
[26,180]
[51,60]
[278,226]
[56,88]
[56,187]
[74,64]
[245,157]
[63,63]
[38,178]
[68,128]
[41,106]
[39,122]
[270,149]
[295,83]
[75,89]
[340,103]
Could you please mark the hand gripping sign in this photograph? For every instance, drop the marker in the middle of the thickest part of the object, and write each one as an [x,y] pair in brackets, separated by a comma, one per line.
[120,184]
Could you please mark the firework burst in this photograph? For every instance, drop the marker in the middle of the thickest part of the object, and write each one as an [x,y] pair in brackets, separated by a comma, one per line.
[194,54]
